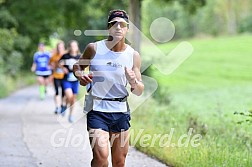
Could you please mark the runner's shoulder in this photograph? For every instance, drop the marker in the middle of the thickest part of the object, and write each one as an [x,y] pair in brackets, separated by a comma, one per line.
[91,47]
[90,51]
[65,56]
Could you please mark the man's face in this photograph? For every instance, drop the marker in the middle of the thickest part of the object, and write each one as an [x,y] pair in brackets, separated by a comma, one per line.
[41,47]
[118,28]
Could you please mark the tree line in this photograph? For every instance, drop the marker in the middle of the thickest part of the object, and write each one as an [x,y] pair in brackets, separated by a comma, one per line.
[24,23]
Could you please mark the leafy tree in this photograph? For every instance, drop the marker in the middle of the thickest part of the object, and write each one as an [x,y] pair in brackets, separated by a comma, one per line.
[135,18]
[246,24]
[190,6]
[11,43]
[135,13]
[44,18]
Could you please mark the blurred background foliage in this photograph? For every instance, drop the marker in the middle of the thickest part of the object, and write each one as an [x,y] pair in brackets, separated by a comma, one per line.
[24,23]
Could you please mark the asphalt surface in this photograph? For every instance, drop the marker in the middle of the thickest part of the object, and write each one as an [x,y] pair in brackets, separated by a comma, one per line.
[31,135]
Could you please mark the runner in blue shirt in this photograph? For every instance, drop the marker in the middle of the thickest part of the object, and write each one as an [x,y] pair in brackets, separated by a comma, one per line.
[41,68]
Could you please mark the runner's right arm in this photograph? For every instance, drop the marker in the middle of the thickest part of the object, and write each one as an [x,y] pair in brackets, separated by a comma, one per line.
[83,63]
[33,68]
[34,65]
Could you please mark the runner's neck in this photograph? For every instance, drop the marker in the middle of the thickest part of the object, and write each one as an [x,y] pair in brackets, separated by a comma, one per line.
[118,47]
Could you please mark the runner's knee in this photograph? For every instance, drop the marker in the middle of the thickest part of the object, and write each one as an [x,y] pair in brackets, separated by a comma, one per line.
[119,161]
[101,157]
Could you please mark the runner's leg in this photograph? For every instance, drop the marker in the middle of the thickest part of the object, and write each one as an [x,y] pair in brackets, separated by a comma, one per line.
[57,84]
[99,143]
[70,100]
[119,147]
[41,83]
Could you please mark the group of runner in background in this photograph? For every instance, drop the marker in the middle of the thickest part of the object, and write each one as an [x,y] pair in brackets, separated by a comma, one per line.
[58,67]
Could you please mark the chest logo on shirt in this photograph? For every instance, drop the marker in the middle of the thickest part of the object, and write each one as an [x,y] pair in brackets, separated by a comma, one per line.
[117,65]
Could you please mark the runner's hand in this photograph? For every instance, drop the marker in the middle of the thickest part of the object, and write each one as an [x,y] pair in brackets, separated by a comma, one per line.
[65,70]
[32,69]
[130,76]
[85,79]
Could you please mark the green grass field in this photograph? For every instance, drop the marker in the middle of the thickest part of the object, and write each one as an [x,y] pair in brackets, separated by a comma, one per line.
[203,94]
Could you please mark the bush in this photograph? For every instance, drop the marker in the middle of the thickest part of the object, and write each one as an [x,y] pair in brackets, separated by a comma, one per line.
[246,24]
[10,84]
[11,46]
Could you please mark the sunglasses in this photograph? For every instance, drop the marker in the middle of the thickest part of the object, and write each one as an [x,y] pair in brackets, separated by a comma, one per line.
[121,23]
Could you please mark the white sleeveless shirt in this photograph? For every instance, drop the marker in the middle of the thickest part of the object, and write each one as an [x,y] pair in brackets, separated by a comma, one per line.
[109,80]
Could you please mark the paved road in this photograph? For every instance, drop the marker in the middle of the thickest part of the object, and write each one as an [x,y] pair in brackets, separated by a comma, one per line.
[31,135]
